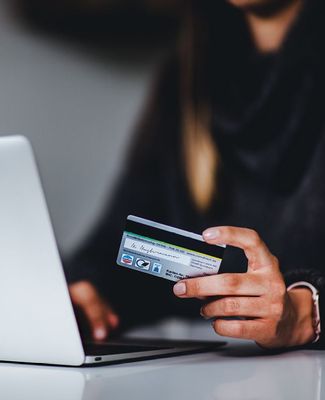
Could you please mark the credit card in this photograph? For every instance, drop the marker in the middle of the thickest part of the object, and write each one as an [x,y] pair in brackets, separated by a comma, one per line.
[167,252]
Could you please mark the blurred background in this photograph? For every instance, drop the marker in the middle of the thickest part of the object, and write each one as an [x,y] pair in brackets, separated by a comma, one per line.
[74,75]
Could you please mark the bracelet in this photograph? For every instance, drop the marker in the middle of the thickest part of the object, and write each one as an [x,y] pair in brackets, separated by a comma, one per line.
[316,312]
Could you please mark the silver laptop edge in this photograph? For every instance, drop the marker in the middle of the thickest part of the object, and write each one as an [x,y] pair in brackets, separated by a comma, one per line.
[38,324]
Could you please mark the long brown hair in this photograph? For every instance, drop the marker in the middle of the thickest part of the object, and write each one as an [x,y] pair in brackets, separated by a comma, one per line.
[199,149]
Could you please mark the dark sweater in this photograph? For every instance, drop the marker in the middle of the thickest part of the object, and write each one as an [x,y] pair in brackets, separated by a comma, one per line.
[269,126]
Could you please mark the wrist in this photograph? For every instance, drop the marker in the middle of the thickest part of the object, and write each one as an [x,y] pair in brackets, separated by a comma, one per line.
[303,331]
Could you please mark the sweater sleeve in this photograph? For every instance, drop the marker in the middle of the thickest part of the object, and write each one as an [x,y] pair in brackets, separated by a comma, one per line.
[317,279]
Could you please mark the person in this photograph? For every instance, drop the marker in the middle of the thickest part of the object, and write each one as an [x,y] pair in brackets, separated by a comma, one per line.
[232,139]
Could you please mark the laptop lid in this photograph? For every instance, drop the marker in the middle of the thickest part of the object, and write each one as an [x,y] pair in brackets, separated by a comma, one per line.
[37,322]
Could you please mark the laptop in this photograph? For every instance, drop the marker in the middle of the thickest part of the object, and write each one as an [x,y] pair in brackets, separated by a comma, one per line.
[38,324]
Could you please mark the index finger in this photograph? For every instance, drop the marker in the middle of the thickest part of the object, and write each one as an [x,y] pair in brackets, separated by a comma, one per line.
[255,249]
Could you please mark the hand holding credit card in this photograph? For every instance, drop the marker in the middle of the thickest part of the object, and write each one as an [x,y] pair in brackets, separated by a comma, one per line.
[167,252]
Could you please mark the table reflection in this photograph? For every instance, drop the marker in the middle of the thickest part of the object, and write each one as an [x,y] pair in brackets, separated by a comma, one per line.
[295,375]
[246,374]
[38,383]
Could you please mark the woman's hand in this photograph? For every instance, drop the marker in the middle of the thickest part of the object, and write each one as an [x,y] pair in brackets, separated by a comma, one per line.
[275,318]
[99,315]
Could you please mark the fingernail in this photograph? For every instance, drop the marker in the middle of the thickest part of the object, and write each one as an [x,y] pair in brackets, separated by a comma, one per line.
[203,316]
[114,320]
[100,333]
[180,288]
[211,234]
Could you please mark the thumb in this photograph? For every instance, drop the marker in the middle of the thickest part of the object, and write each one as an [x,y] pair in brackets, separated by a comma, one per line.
[255,249]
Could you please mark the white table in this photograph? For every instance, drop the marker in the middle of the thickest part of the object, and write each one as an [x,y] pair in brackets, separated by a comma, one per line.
[239,371]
